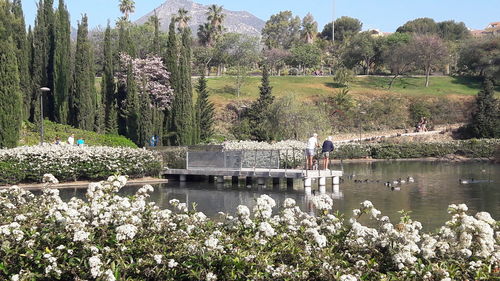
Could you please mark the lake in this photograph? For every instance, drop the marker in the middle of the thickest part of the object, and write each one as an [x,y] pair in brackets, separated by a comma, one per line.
[436,186]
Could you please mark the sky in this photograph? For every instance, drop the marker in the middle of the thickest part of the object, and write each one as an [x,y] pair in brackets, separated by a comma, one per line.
[385,15]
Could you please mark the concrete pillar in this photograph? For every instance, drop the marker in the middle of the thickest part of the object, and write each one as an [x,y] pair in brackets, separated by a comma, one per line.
[211,179]
[308,182]
[336,180]
[182,178]
[220,179]
[261,181]
[248,181]
[322,189]
[307,190]
[336,189]
[235,180]
[276,181]
[322,181]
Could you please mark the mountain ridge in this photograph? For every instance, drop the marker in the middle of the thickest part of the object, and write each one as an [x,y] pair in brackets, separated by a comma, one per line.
[235,21]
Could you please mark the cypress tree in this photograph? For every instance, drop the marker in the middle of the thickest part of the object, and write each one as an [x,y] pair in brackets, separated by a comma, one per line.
[204,112]
[156,49]
[486,119]
[10,96]
[82,99]
[171,60]
[108,86]
[259,111]
[132,107]
[22,53]
[183,116]
[145,122]
[62,73]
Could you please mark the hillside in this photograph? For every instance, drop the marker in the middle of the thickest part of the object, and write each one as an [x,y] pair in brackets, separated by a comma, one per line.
[235,21]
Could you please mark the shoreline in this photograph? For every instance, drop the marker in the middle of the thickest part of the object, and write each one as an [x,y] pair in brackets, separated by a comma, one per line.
[83,184]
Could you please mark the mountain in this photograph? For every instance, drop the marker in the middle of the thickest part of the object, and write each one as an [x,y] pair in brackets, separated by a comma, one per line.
[235,21]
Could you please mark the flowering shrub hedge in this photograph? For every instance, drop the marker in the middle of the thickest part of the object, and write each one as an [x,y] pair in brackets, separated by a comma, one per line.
[109,237]
[30,163]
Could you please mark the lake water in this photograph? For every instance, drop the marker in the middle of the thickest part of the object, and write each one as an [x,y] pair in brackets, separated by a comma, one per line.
[436,186]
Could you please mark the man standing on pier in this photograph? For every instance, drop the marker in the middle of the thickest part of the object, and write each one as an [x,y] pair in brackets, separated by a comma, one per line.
[312,144]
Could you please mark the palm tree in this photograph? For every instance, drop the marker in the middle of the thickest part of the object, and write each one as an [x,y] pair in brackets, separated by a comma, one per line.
[182,18]
[127,7]
[215,19]
[309,28]
[205,34]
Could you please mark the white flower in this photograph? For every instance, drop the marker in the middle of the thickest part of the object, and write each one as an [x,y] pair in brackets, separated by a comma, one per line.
[211,243]
[322,202]
[348,277]
[15,277]
[158,258]
[127,231]
[95,264]
[267,229]
[243,211]
[289,203]
[108,275]
[81,235]
[172,263]
[211,277]
[367,204]
[49,178]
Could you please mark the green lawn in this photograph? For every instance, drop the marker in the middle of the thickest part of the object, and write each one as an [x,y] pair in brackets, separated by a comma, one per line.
[307,87]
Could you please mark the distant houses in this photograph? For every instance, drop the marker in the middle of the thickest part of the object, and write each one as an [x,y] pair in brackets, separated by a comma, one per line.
[493,29]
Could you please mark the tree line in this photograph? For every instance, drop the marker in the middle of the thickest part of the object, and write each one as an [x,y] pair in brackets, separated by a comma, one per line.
[141,95]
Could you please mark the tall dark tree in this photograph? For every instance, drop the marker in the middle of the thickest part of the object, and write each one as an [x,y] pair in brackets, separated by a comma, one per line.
[183,117]
[485,121]
[204,112]
[108,86]
[453,31]
[22,52]
[62,73]
[155,21]
[171,60]
[10,96]
[132,107]
[43,58]
[258,113]
[145,121]
[282,30]
[82,100]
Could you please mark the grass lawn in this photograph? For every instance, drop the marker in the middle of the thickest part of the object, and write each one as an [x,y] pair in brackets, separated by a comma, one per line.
[304,88]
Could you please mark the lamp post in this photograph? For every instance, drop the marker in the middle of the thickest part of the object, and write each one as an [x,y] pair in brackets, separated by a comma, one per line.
[359,125]
[42,90]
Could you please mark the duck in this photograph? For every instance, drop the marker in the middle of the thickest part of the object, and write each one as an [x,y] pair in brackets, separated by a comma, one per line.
[461,181]
[410,179]
[401,181]
[395,188]
[395,182]
[388,183]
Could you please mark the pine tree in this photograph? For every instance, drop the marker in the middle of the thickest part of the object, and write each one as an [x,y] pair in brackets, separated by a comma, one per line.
[22,53]
[62,73]
[132,107]
[10,96]
[485,121]
[82,99]
[182,110]
[259,111]
[204,112]
[145,122]
[108,86]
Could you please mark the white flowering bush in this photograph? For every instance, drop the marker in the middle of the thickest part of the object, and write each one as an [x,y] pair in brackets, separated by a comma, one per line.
[110,237]
[74,162]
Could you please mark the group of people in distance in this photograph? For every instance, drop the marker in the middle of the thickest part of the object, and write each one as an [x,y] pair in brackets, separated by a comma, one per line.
[326,149]
[71,141]
[421,125]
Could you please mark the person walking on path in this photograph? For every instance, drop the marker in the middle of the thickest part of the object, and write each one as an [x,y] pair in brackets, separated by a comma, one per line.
[325,151]
[71,139]
[312,143]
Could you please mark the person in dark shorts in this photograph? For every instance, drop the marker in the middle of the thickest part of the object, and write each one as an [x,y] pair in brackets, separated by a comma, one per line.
[325,151]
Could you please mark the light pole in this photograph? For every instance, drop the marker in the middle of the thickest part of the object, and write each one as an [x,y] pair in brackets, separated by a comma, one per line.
[359,125]
[42,90]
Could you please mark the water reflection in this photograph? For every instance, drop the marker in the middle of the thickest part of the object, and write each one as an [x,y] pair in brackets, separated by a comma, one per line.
[436,186]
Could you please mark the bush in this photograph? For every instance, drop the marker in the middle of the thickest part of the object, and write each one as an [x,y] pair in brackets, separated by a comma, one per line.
[109,237]
[30,135]
[11,172]
[74,163]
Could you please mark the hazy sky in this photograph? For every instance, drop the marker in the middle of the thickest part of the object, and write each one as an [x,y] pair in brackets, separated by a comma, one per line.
[385,15]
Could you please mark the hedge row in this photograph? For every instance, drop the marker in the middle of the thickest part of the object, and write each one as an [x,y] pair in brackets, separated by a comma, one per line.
[30,163]
[474,148]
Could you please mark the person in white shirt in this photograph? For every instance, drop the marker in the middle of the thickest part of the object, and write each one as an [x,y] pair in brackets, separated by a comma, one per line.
[312,143]
[71,140]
